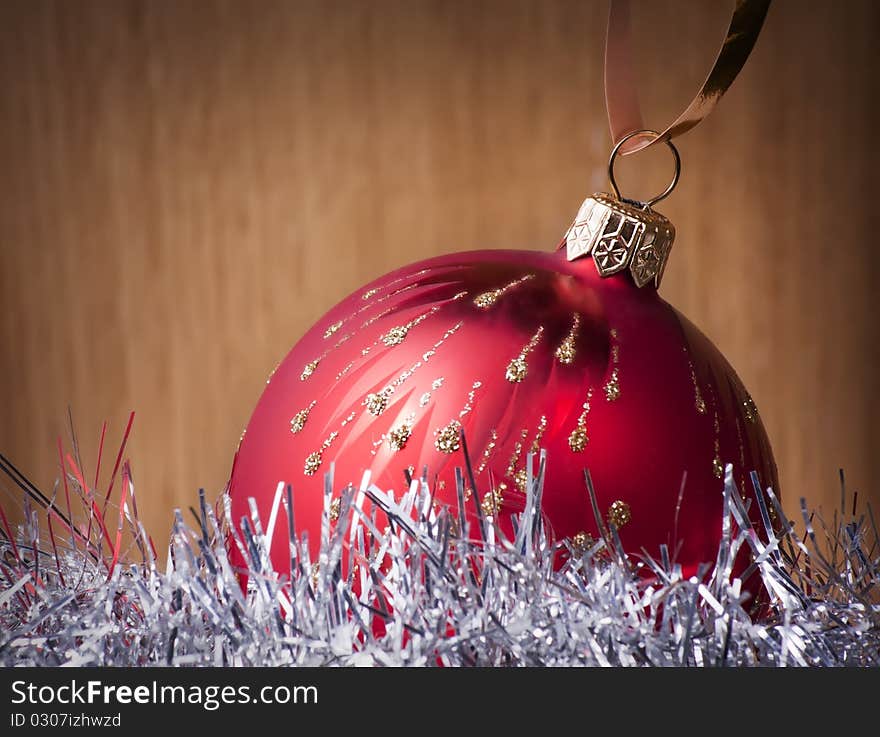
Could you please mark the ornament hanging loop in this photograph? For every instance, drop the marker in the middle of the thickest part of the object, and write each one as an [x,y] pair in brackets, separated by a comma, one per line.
[675,176]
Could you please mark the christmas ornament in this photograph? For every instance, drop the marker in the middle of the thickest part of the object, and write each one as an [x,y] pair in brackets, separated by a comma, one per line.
[82,582]
[509,353]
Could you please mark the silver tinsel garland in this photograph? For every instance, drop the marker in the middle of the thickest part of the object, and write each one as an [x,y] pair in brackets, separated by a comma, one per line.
[430,589]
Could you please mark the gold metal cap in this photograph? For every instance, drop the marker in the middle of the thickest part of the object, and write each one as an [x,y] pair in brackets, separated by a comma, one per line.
[620,234]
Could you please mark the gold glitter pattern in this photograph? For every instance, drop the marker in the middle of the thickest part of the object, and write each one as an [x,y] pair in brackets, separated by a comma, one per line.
[336,326]
[612,386]
[376,403]
[438,382]
[313,463]
[373,292]
[299,419]
[395,336]
[469,405]
[398,334]
[485,300]
[539,433]
[582,542]
[750,410]
[398,436]
[619,513]
[578,439]
[447,440]
[309,369]
[566,352]
[378,316]
[332,329]
[717,467]
[517,451]
[427,354]
[518,369]
[313,460]
[699,402]
[519,477]
[487,453]
[492,501]
[274,370]
[385,298]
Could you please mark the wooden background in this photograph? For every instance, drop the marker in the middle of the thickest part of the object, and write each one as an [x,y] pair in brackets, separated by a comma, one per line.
[186,186]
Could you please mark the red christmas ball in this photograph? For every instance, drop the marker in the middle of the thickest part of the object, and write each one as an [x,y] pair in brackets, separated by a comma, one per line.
[523,351]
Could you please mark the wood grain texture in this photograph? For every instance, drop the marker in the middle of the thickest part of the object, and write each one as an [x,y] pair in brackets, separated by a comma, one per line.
[187,186]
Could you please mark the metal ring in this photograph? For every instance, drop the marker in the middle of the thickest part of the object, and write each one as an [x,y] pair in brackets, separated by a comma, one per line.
[666,192]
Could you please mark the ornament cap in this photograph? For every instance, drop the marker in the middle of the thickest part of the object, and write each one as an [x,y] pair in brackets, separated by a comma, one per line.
[621,234]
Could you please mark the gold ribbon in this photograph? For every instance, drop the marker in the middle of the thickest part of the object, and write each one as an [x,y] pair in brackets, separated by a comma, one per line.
[621,96]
